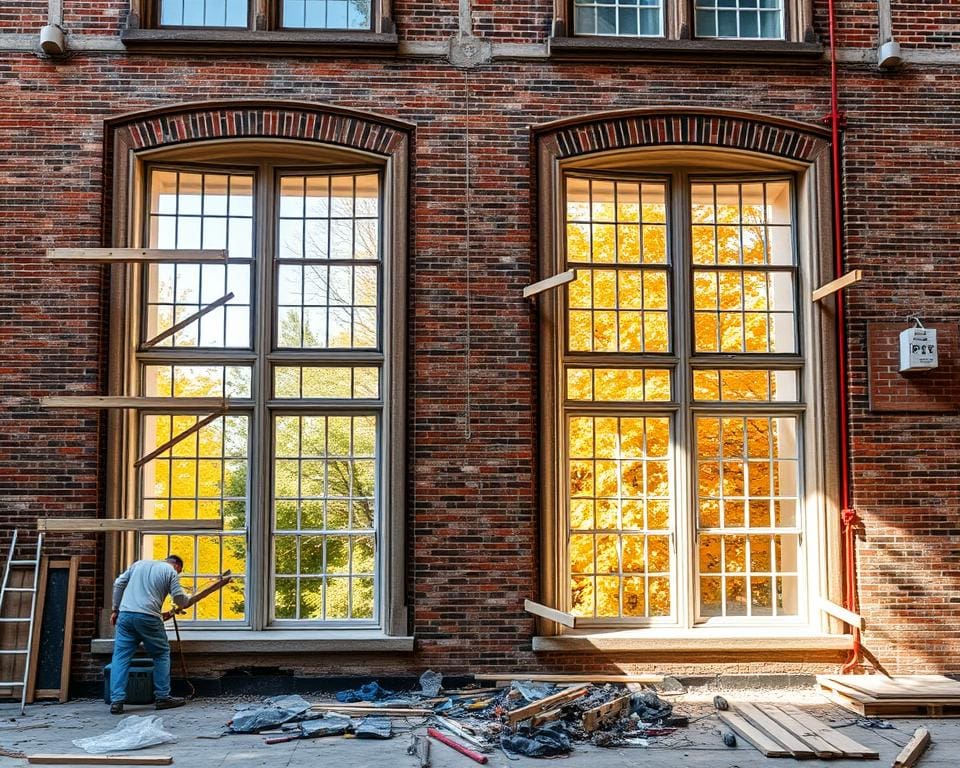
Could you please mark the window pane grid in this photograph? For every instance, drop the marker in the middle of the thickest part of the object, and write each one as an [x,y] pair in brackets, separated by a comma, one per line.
[203,13]
[326,381]
[194,211]
[231,381]
[326,14]
[328,262]
[741,19]
[748,495]
[629,18]
[202,477]
[620,526]
[729,385]
[324,517]
[619,384]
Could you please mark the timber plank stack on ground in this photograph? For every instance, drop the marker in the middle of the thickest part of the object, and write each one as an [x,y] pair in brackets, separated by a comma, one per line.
[787,731]
[892,697]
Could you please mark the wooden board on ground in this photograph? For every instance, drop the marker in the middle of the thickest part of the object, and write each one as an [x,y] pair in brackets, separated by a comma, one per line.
[594,718]
[823,748]
[914,749]
[868,706]
[506,678]
[899,686]
[841,741]
[85,759]
[53,629]
[797,747]
[14,635]
[549,702]
[744,728]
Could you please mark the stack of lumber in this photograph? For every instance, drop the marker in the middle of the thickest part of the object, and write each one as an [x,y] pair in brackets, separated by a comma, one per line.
[899,696]
[786,731]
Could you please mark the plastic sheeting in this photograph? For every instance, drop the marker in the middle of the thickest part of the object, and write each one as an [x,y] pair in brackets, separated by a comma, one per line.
[276,711]
[132,732]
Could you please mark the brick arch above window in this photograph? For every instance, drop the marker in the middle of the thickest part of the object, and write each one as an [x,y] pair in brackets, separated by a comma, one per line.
[718,129]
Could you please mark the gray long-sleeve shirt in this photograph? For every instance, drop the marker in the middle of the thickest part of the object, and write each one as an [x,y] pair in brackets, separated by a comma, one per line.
[144,586]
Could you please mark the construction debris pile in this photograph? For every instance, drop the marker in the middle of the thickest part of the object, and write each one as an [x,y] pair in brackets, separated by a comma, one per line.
[535,719]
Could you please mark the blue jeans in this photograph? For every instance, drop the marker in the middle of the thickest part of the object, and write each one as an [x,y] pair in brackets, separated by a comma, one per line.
[132,629]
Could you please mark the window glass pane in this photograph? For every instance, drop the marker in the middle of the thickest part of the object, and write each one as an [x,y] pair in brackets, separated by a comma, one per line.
[326,14]
[203,13]
[201,477]
[746,385]
[618,384]
[618,17]
[739,19]
[324,468]
[326,382]
[619,487]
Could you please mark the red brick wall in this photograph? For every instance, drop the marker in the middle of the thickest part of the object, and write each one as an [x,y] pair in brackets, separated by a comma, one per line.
[472,492]
[23,16]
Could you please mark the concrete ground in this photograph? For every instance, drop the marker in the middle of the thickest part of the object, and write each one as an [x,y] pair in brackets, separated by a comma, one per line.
[51,728]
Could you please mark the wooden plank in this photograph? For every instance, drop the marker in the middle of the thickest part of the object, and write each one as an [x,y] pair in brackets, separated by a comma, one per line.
[177,438]
[823,749]
[839,612]
[131,255]
[85,759]
[187,321]
[15,634]
[567,619]
[551,282]
[53,627]
[166,404]
[835,285]
[900,686]
[548,702]
[546,678]
[768,746]
[841,741]
[349,709]
[594,718]
[546,717]
[216,586]
[798,748]
[94,524]
[914,749]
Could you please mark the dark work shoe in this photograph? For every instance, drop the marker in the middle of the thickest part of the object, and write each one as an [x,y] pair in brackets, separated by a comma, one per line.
[171,702]
[116,708]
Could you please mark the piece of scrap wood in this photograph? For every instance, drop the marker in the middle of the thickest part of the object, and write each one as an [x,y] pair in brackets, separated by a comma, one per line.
[347,709]
[824,749]
[100,759]
[914,749]
[571,678]
[841,741]
[768,746]
[839,612]
[594,718]
[548,702]
[551,282]
[835,285]
[797,746]
[567,619]
[127,255]
[92,524]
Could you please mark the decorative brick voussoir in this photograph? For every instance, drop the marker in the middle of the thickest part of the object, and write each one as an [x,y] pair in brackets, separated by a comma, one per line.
[787,139]
[210,122]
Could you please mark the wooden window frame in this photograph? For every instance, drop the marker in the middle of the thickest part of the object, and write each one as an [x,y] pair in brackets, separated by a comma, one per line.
[819,380]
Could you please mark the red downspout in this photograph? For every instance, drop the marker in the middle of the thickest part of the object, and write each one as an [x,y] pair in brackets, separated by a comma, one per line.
[848,516]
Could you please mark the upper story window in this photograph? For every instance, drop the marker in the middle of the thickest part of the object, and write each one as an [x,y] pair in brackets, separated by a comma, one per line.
[640,18]
[740,19]
[282,14]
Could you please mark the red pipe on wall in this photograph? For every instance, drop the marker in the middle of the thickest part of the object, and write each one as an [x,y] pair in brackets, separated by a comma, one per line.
[848,515]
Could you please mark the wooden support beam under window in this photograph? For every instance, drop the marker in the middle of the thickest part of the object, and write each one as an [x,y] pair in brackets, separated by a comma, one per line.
[567,619]
[188,320]
[839,612]
[551,282]
[177,438]
[101,524]
[132,255]
[835,285]
[166,404]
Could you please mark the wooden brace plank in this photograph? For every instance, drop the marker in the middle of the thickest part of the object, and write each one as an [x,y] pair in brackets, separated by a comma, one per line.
[177,438]
[840,740]
[537,609]
[551,282]
[94,524]
[835,285]
[839,612]
[134,255]
[166,404]
[823,748]
[796,745]
[225,578]
[743,727]
[188,320]
[914,749]
[85,759]
[549,702]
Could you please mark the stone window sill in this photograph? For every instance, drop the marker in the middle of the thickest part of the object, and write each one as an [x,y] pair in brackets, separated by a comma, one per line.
[692,641]
[604,48]
[313,42]
[277,641]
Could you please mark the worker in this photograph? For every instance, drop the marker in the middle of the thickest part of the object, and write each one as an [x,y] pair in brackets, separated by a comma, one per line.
[138,595]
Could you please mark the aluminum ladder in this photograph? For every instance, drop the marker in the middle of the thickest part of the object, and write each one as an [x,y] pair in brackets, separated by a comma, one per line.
[28,620]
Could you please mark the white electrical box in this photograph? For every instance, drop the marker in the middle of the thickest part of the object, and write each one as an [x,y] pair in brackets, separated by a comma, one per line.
[918,349]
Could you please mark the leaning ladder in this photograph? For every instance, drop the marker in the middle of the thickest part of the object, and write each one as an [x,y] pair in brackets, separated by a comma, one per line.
[28,620]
